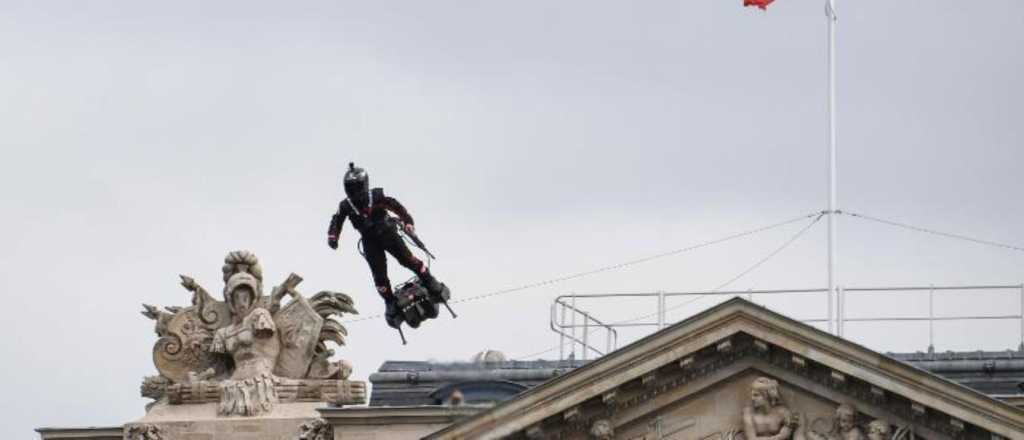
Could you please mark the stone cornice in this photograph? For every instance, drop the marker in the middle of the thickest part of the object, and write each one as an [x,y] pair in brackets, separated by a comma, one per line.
[1016,400]
[93,433]
[398,415]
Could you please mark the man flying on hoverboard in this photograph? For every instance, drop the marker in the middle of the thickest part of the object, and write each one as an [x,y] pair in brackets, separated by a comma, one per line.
[367,209]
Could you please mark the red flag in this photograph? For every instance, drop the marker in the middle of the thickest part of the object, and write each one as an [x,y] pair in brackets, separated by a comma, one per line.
[763,4]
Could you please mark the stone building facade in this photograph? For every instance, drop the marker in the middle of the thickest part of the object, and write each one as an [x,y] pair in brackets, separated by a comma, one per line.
[736,371]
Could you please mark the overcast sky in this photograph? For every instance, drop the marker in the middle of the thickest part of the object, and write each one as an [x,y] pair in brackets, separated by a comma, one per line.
[529,139]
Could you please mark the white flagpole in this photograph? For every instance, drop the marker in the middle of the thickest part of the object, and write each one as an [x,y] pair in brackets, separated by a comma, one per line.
[833,292]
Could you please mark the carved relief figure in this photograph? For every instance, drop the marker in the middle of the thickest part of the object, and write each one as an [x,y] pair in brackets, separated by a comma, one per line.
[844,426]
[766,418]
[879,430]
[846,421]
[602,429]
[142,432]
[316,429]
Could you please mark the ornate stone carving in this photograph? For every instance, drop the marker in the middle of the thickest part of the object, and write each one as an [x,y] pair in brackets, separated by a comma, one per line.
[879,430]
[842,426]
[343,392]
[154,387]
[602,430]
[619,405]
[316,429]
[300,331]
[183,345]
[248,351]
[335,392]
[767,418]
[251,396]
[142,432]
[572,414]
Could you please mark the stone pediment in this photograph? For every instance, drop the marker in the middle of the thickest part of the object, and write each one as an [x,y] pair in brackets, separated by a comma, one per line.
[697,380]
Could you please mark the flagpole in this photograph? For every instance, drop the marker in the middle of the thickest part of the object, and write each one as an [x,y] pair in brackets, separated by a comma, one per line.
[833,292]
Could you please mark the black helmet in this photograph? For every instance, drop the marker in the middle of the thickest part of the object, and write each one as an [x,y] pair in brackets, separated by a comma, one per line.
[357,183]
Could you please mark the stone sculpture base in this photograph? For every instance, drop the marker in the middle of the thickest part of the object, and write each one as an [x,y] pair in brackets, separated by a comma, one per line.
[201,422]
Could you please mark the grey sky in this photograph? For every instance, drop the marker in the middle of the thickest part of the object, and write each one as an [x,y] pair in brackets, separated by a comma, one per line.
[530,139]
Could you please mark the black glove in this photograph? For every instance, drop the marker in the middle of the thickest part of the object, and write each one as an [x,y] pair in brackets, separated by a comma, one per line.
[332,242]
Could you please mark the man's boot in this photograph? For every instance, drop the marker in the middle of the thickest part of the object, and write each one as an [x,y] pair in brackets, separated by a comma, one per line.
[439,292]
[392,315]
[436,290]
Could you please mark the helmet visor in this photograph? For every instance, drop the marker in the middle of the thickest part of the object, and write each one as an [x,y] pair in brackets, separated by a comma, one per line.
[356,188]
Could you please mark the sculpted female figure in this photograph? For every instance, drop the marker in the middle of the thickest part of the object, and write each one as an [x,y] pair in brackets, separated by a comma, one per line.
[253,345]
[766,418]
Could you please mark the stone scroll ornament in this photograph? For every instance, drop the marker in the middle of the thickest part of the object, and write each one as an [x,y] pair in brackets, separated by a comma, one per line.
[249,352]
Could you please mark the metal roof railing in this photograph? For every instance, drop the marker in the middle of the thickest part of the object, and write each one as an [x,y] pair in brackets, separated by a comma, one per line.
[575,326]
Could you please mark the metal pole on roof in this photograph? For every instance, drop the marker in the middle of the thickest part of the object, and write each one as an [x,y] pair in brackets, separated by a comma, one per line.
[931,320]
[661,310]
[833,274]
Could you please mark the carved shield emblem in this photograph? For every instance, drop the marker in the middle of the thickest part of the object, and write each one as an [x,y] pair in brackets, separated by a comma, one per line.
[299,326]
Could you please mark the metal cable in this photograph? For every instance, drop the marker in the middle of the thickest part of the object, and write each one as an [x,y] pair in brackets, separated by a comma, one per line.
[753,267]
[616,266]
[799,234]
[934,232]
[637,261]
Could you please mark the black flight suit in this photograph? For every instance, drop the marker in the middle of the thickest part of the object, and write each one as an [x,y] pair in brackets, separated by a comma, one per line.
[380,235]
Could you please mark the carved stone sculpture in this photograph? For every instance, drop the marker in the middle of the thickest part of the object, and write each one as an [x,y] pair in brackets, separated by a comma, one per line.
[846,421]
[767,418]
[249,352]
[253,344]
[142,432]
[602,429]
[154,387]
[879,430]
[316,429]
[843,426]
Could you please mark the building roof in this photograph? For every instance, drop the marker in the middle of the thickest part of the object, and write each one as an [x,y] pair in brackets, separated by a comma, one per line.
[996,373]
[413,383]
[644,383]
[410,383]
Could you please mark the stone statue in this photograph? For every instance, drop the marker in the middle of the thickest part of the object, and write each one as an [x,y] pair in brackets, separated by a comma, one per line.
[879,430]
[248,352]
[602,429]
[142,432]
[846,421]
[843,427]
[766,418]
[251,341]
[316,429]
